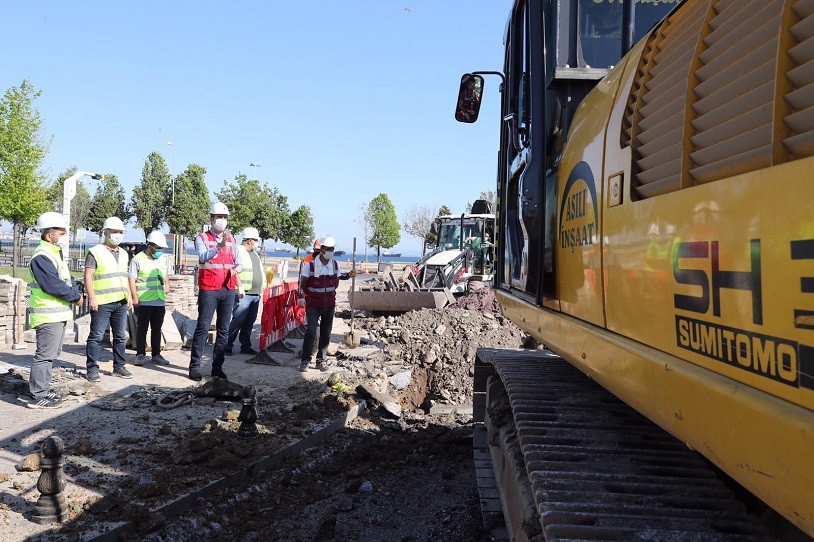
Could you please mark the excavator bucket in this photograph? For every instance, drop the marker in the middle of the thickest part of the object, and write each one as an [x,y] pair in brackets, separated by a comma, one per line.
[400,301]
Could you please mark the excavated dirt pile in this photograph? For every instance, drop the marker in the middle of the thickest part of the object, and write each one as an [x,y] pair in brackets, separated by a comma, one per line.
[439,345]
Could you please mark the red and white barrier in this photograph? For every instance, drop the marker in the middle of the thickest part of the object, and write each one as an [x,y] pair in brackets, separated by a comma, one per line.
[281,312]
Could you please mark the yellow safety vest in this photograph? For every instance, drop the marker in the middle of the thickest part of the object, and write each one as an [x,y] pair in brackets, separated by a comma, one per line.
[151,277]
[45,308]
[247,273]
[110,277]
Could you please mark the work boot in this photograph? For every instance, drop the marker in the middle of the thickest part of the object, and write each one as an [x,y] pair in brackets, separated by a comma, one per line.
[322,365]
[122,372]
[219,373]
[251,351]
[195,374]
[228,351]
[93,375]
[159,360]
[304,365]
[140,359]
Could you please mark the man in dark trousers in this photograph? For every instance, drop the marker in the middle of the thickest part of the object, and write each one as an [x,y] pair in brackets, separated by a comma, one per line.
[318,283]
[52,292]
[218,278]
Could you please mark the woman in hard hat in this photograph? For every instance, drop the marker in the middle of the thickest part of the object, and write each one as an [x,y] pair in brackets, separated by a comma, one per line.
[148,290]
[52,292]
[108,296]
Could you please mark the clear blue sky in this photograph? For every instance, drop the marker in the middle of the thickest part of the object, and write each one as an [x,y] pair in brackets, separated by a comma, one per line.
[338,101]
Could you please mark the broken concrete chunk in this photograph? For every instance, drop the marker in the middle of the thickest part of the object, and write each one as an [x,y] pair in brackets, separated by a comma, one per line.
[30,463]
[440,329]
[401,380]
[382,400]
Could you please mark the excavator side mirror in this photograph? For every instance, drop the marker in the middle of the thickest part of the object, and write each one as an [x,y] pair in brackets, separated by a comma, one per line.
[469,97]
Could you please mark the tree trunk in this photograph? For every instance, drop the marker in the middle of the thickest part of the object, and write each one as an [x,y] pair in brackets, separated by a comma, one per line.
[15,253]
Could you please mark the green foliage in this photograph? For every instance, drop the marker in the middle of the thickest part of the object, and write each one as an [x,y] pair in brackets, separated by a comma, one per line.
[107,201]
[190,212]
[384,225]
[80,204]
[272,216]
[152,196]
[23,192]
[300,231]
[258,206]
[444,210]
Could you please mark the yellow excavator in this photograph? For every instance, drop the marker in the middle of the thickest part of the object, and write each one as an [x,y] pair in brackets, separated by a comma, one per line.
[655,232]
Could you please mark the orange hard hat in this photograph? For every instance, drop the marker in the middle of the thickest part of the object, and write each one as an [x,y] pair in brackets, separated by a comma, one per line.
[317,243]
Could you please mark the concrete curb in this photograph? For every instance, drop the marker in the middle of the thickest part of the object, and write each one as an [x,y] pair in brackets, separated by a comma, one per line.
[183,504]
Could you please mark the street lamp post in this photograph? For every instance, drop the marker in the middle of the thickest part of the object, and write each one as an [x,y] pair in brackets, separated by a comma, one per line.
[171,144]
[255,166]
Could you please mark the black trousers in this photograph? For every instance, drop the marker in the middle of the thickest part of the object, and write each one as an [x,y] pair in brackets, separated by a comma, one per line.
[153,317]
[323,318]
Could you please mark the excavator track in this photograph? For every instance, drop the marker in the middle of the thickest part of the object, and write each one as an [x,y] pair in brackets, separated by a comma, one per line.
[572,462]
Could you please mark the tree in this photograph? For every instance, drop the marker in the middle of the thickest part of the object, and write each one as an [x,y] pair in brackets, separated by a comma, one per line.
[80,204]
[418,222]
[190,212]
[107,201]
[384,225]
[444,210]
[272,215]
[300,230]
[152,197]
[23,193]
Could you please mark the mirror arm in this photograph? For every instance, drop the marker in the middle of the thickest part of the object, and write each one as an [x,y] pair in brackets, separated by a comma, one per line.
[499,74]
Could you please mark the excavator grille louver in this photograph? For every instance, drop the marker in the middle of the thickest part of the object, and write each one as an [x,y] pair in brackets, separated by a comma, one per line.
[707,104]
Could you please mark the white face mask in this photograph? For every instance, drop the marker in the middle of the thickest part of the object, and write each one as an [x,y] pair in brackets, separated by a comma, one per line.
[328,254]
[116,239]
[64,244]
[220,224]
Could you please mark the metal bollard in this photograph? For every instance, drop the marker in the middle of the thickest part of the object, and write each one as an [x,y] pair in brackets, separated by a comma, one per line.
[51,505]
[248,414]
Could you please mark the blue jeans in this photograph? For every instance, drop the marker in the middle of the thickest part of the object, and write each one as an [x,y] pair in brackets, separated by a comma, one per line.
[113,315]
[208,302]
[243,321]
[325,317]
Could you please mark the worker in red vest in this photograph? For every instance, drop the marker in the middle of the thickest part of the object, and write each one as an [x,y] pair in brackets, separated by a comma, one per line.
[218,278]
[318,283]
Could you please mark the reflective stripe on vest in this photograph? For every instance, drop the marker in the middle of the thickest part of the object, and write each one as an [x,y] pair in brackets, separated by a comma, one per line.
[214,274]
[46,308]
[110,276]
[150,279]
[321,292]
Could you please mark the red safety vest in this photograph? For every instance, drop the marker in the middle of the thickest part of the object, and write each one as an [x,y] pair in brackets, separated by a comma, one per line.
[321,291]
[214,274]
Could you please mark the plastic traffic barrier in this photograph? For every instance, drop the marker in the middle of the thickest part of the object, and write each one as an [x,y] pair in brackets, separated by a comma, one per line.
[281,312]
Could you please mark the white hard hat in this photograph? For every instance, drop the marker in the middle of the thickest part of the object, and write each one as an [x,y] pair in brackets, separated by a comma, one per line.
[113,223]
[329,242]
[251,233]
[219,208]
[157,238]
[51,220]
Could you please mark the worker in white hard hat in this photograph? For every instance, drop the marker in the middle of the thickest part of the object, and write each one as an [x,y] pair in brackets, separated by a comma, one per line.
[149,287]
[247,296]
[52,292]
[218,278]
[109,298]
[318,283]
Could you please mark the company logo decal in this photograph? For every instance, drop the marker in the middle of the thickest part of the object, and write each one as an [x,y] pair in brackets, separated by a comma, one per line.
[578,213]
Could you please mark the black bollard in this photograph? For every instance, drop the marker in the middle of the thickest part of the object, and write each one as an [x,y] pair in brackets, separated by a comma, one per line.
[248,414]
[51,505]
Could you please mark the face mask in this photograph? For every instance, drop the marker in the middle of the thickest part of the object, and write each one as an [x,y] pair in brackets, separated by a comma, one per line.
[220,224]
[328,255]
[116,238]
[157,254]
[62,243]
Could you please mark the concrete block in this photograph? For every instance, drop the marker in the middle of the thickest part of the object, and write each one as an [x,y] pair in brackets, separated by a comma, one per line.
[81,328]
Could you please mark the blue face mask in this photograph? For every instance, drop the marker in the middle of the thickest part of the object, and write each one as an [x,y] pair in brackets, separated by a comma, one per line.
[157,254]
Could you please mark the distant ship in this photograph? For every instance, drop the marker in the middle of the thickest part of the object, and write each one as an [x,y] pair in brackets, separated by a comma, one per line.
[339,253]
[391,254]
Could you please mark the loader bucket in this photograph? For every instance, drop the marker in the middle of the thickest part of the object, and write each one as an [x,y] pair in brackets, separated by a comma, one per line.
[398,301]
